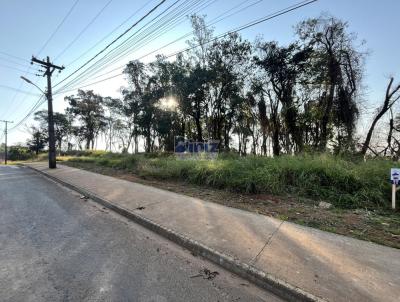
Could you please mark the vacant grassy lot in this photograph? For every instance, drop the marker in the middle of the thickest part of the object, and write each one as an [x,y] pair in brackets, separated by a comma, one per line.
[289,188]
[344,183]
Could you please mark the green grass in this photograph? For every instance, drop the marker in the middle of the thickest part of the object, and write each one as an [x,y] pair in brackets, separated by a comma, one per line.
[345,183]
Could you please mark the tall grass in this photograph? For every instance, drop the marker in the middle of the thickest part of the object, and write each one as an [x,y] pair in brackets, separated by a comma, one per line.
[345,183]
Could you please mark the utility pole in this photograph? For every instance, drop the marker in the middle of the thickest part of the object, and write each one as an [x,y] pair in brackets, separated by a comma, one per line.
[5,146]
[49,69]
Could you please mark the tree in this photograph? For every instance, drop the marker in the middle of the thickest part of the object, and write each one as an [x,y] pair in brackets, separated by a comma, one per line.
[113,124]
[38,139]
[337,66]
[147,90]
[283,67]
[18,152]
[202,35]
[293,98]
[62,125]
[391,97]
[88,108]
[229,65]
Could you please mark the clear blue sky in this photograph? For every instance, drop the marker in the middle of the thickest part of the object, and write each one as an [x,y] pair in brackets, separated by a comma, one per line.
[25,26]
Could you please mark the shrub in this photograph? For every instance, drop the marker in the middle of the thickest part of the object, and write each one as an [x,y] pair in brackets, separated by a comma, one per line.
[19,153]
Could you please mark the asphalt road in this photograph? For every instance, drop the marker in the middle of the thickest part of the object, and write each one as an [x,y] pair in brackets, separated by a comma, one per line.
[55,246]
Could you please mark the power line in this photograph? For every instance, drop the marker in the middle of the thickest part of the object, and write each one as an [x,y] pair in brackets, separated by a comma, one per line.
[58,27]
[248,25]
[114,41]
[214,21]
[38,103]
[84,29]
[158,49]
[46,43]
[107,59]
[13,56]
[26,72]
[18,90]
[10,61]
[104,60]
[14,108]
[238,29]
[17,69]
[110,33]
[141,39]
[149,35]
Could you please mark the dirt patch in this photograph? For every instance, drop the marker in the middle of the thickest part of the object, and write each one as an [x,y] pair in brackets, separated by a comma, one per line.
[378,226]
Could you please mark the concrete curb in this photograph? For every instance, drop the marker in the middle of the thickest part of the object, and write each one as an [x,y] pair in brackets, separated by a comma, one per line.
[246,271]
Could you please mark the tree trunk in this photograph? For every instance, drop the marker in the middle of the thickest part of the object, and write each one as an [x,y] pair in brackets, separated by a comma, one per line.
[199,130]
[275,142]
[389,138]
[264,143]
[387,104]
[148,140]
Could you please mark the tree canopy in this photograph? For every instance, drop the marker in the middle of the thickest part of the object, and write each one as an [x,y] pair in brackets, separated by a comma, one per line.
[260,98]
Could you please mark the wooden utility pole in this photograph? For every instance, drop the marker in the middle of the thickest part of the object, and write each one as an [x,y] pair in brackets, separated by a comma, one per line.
[49,69]
[5,146]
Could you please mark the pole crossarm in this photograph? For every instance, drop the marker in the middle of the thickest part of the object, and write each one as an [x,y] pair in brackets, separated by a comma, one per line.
[47,64]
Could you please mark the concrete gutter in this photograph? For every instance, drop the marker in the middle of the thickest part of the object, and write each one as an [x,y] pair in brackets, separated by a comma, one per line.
[262,279]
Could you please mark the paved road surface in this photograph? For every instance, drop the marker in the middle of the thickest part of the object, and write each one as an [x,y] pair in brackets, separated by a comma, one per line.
[55,246]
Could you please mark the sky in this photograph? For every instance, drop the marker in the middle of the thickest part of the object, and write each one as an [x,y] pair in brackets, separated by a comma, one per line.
[70,32]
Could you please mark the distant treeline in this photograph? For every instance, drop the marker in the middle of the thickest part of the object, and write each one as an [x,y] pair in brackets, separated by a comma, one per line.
[260,98]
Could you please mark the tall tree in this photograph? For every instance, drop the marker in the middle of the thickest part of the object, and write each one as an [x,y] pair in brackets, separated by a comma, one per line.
[62,125]
[229,64]
[88,108]
[38,139]
[283,66]
[338,68]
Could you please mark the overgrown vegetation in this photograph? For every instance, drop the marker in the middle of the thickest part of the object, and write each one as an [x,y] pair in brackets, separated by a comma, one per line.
[343,182]
[253,97]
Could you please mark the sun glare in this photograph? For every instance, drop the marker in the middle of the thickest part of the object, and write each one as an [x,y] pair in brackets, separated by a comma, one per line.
[168,103]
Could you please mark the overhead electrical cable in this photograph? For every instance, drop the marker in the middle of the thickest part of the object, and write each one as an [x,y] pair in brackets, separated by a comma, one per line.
[243,27]
[39,102]
[105,56]
[12,62]
[148,36]
[214,21]
[58,27]
[248,25]
[83,30]
[112,42]
[238,29]
[145,38]
[17,69]
[18,90]
[110,33]
[13,56]
[44,46]
[107,59]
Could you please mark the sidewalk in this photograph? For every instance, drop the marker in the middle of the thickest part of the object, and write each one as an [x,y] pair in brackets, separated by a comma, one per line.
[333,267]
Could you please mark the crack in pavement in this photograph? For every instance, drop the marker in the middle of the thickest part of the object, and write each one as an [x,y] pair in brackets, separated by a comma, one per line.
[254,260]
